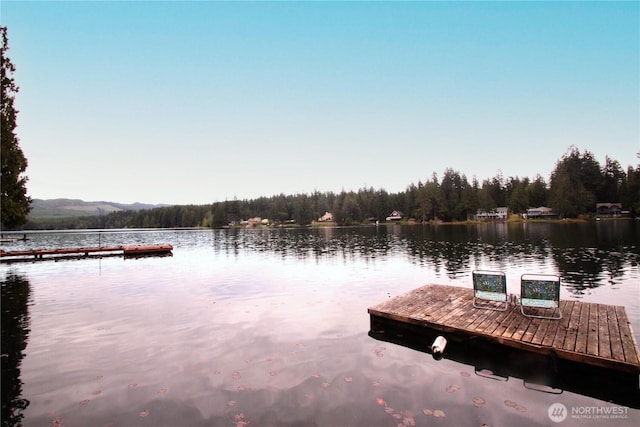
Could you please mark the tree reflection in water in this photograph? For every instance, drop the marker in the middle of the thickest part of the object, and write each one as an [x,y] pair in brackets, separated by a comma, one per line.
[586,255]
[15,332]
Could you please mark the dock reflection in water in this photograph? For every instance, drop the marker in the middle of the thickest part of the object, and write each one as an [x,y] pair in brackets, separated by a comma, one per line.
[540,372]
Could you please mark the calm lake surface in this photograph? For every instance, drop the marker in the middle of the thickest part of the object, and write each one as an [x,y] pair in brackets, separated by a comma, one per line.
[269,327]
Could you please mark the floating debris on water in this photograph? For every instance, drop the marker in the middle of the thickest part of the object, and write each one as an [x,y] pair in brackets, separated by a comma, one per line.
[379,351]
[516,406]
[478,401]
[453,388]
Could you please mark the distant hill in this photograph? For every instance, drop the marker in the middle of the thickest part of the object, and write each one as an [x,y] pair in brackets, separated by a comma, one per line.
[64,208]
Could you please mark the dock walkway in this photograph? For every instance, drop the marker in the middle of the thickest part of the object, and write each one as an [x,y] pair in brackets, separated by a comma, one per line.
[126,250]
[588,333]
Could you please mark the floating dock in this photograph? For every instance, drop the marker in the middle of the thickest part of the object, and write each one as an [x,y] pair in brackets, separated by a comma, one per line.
[588,333]
[126,250]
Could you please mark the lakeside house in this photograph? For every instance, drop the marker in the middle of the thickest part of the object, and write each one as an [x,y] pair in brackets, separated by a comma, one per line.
[496,213]
[254,222]
[541,212]
[395,216]
[328,216]
[609,209]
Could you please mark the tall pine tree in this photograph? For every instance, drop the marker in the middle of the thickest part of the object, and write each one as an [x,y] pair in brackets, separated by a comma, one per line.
[14,202]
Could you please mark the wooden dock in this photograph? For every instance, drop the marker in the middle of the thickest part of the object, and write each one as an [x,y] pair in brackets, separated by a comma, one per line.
[126,250]
[588,333]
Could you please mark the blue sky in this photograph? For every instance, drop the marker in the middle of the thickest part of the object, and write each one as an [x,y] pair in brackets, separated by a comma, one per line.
[196,102]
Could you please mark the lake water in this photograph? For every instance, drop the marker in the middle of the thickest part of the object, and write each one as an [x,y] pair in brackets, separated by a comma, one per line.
[269,327]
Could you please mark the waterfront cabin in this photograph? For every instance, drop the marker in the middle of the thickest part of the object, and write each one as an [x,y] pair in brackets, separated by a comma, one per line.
[497,213]
[328,216]
[541,212]
[395,216]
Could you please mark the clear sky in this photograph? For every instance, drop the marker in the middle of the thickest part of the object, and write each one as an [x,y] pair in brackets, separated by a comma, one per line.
[196,102]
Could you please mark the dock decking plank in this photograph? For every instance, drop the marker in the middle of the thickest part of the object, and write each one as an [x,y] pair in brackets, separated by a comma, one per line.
[427,304]
[454,319]
[583,330]
[511,317]
[476,317]
[489,325]
[451,316]
[614,334]
[588,333]
[571,334]
[531,330]
[604,340]
[592,333]
[522,328]
[552,336]
[445,309]
[514,326]
[563,324]
[541,332]
[629,344]
[436,307]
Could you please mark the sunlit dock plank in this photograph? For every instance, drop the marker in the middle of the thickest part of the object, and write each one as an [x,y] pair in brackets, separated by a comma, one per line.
[127,250]
[588,333]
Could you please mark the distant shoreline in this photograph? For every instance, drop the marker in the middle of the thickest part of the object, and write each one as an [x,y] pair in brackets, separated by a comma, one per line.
[329,224]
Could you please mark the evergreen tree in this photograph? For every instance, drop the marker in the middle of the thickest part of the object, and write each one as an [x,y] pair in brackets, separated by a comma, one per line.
[303,210]
[450,194]
[219,216]
[384,204]
[14,202]
[538,193]
[518,197]
[486,202]
[346,209]
[574,183]
[470,196]
[631,191]
[613,178]
[497,191]
[431,200]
